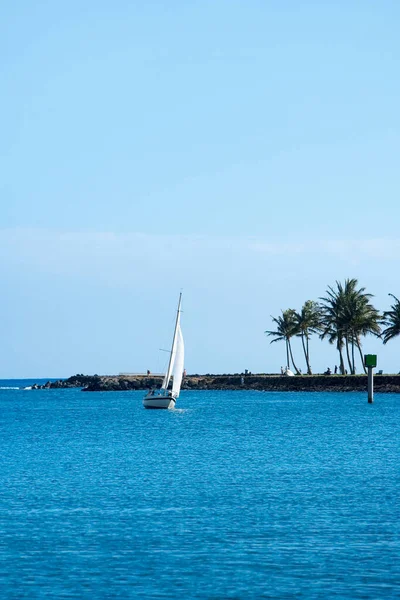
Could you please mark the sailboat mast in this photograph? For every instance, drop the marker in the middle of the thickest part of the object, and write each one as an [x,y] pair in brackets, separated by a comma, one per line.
[173,342]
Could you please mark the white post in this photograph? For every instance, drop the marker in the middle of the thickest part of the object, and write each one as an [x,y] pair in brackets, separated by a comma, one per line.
[370,385]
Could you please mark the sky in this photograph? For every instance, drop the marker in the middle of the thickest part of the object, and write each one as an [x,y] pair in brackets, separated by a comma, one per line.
[243,152]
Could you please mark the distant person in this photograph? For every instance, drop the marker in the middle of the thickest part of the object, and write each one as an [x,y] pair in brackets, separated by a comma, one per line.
[335,369]
[328,371]
[184,372]
[148,372]
[282,371]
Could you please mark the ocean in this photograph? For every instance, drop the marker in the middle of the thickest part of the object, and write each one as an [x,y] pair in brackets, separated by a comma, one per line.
[232,495]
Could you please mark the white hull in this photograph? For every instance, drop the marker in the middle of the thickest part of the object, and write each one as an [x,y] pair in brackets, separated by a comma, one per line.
[158,401]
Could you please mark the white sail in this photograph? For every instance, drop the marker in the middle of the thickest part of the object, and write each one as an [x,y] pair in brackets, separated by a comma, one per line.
[177,371]
[168,374]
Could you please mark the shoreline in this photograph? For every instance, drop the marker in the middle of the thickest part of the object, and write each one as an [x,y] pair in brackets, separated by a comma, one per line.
[260,382]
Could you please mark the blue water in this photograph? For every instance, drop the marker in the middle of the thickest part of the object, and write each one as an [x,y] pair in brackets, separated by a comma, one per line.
[232,495]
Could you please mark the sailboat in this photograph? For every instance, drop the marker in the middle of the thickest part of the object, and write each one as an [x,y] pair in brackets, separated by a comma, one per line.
[165,398]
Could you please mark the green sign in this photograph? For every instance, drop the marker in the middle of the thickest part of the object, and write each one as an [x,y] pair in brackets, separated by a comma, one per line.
[370,360]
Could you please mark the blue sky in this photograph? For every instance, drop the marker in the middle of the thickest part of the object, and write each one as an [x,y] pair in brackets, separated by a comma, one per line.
[246,152]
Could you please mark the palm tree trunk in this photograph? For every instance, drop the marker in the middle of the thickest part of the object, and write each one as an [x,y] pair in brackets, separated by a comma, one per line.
[339,347]
[309,372]
[352,354]
[287,354]
[291,354]
[348,354]
[305,352]
[361,355]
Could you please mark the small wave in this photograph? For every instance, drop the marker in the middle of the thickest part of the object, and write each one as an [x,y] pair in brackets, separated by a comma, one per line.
[9,388]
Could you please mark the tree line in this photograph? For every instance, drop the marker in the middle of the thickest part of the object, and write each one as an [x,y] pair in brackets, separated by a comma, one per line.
[343,316]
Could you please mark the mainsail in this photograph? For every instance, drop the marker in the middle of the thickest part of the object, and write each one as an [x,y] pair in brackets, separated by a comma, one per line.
[177,371]
[172,357]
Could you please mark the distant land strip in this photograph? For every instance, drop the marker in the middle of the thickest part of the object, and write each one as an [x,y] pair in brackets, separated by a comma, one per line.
[260,382]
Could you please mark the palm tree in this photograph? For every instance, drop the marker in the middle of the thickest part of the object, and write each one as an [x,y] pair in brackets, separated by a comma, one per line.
[347,316]
[331,320]
[286,328]
[391,318]
[361,318]
[308,322]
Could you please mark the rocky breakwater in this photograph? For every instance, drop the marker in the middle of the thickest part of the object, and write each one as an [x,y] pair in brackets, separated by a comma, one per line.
[267,383]
[76,381]
[304,383]
[104,383]
[122,383]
